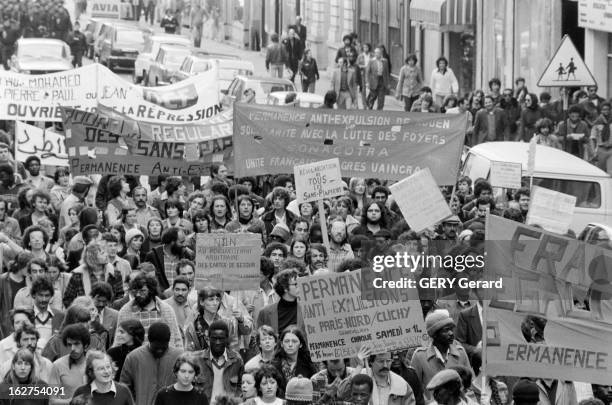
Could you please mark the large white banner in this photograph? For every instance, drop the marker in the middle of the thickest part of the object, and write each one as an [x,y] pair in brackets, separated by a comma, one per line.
[37,98]
[49,146]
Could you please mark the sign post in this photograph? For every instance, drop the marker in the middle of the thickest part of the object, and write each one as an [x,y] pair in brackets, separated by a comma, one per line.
[316,182]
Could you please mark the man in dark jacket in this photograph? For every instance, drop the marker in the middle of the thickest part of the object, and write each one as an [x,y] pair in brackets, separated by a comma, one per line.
[78,45]
[8,37]
[279,212]
[490,124]
[300,29]
[275,57]
[294,48]
[170,252]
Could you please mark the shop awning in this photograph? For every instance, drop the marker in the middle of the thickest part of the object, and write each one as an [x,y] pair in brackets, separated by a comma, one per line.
[444,15]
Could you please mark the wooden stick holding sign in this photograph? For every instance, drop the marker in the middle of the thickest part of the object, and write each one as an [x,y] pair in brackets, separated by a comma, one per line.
[316,182]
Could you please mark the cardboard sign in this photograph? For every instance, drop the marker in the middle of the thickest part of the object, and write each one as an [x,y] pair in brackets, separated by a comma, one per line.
[389,145]
[228,261]
[106,9]
[318,180]
[551,210]
[544,275]
[101,145]
[38,98]
[531,155]
[506,175]
[338,322]
[47,145]
[420,200]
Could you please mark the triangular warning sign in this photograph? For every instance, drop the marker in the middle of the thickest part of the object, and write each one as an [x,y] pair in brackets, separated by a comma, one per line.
[566,68]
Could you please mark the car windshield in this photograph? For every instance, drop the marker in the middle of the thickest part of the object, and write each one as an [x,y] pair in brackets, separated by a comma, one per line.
[268,87]
[40,51]
[229,74]
[175,56]
[587,193]
[129,37]
[200,66]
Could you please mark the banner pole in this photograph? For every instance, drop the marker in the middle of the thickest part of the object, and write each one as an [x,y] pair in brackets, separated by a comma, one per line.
[323,225]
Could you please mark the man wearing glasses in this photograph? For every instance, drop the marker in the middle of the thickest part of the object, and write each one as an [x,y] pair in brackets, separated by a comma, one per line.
[285,312]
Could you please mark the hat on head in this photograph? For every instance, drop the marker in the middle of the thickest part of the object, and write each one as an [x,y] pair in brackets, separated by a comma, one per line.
[299,389]
[131,234]
[476,226]
[525,391]
[452,220]
[437,320]
[82,180]
[159,332]
[443,377]
[281,231]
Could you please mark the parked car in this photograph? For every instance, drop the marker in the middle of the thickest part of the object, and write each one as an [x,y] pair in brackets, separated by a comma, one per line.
[167,61]
[597,234]
[121,45]
[555,170]
[304,100]
[105,26]
[41,55]
[147,56]
[260,84]
[92,31]
[228,69]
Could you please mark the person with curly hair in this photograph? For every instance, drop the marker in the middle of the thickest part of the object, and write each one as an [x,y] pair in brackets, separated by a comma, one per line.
[183,391]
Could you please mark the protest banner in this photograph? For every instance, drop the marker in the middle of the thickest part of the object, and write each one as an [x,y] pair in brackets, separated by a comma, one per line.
[550,209]
[387,145]
[46,144]
[228,261]
[420,200]
[102,145]
[213,137]
[506,175]
[338,321]
[106,9]
[550,277]
[38,98]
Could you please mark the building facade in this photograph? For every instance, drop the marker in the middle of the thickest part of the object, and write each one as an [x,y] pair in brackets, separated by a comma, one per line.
[595,16]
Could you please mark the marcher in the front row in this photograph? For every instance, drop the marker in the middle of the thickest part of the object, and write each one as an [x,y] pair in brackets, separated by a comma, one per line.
[150,368]
[183,391]
[27,337]
[100,384]
[268,383]
[445,387]
[69,371]
[23,372]
[267,339]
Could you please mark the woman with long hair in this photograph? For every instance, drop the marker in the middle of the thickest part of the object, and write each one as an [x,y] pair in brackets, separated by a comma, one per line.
[201,224]
[476,102]
[129,335]
[154,233]
[345,208]
[23,372]
[118,231]
[118,189]
[183,391]
[309,72]
[530,114]
[220,213]
[174,217]
[298,250]
[410,82]
[357,191]
[292,357]
[544,128]
[270,386]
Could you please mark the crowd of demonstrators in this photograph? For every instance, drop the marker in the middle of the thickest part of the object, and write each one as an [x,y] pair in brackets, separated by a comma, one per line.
[97,292]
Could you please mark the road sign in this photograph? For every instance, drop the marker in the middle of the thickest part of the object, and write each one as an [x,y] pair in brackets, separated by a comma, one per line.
[566,68]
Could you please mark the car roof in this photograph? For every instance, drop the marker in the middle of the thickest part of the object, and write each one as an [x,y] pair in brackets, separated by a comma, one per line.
[548,160]
[235,64]
[266,79]
[300,96]
[40,41]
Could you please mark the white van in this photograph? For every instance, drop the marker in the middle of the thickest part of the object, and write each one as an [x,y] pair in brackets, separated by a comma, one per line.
[554,169]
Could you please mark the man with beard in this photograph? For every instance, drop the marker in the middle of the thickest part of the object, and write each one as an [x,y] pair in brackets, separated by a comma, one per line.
[186,268]
[317,257]
[339,248]
[178,301]
[47,320]
[148,308]
[286,311]
[449,229]
[221,368]
[325,382]
[68,371]
[150,367]
[166,256]
[484,207]
[35,179]
[102,295]
[144,211]
[27,337]
[442,353]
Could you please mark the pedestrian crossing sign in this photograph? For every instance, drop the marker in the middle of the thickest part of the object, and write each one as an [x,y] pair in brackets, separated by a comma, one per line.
[566,68]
